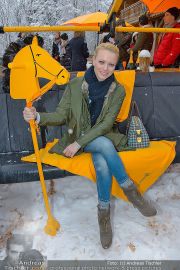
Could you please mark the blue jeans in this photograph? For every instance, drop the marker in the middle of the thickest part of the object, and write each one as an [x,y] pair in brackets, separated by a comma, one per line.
[107,163]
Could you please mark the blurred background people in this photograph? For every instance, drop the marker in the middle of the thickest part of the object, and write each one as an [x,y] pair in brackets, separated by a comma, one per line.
[56,47]
[144,40]
[122,41]
[79,52]
[65,56]
[10,52]
[20,39]
[144,60]
[134,39]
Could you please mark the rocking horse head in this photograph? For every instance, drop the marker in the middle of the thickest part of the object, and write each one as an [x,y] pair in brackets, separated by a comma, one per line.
[30,63]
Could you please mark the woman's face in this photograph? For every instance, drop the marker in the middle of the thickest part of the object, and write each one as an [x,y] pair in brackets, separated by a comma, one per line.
[168,18]
[57,35]
[104,64]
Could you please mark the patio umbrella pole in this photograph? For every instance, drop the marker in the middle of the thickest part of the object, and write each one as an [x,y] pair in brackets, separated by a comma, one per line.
[52,225]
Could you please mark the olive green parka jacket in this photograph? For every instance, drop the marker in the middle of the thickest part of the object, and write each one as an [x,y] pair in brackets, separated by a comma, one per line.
[73,111]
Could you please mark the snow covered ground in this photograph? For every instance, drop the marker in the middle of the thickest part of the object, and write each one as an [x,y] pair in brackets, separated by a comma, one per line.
[74,202]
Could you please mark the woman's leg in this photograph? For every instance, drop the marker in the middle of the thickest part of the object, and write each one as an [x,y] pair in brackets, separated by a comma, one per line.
[105,147]
[104,183]
[103,180]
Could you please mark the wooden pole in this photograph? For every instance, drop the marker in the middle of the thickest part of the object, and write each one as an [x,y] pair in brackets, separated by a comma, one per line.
[48,28]
[67,28]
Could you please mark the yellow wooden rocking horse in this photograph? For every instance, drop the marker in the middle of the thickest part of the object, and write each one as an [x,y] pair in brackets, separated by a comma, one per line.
[30,64]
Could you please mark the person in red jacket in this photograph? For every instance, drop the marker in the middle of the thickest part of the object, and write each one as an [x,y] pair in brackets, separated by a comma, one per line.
[169,46]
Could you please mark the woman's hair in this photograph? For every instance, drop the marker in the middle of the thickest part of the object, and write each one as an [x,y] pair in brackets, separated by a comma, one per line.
[107,46]
[79,34]
[134,37]
[64,36]
[143,19]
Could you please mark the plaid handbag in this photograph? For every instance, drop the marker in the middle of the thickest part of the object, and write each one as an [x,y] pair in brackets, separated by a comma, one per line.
[136,132]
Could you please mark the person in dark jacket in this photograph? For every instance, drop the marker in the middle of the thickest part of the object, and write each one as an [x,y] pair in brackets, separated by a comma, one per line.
[144,40]
[122,40]
[90,106]
[168,50]
[79,52]
[65,56]
[11,51]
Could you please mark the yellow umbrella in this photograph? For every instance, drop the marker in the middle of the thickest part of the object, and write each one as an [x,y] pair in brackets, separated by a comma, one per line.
[91,19]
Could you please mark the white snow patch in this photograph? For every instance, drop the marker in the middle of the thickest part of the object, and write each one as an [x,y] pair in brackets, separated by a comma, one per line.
[74,206]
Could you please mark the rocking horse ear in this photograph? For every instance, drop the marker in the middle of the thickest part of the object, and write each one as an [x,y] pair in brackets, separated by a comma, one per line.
[35,41]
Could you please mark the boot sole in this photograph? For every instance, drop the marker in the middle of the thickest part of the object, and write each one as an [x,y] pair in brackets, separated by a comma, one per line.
[146,215]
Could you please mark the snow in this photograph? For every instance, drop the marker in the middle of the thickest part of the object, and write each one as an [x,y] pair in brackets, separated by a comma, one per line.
[74,205]
[46,12]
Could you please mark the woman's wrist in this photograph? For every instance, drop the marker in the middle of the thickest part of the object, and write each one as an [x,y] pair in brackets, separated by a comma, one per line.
[77,145]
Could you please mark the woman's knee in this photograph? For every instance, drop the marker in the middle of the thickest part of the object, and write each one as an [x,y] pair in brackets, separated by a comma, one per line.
[100,163]
[102,143]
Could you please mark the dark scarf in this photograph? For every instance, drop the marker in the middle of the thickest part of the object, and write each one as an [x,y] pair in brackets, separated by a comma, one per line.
[97,93]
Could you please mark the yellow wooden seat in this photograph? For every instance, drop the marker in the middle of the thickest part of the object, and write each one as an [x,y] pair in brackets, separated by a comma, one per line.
[144,166]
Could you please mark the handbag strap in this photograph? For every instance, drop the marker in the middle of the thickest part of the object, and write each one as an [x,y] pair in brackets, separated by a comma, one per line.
[134,111]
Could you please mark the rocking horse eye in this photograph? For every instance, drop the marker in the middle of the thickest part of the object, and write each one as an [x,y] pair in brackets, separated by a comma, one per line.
[38,54]
[63,76]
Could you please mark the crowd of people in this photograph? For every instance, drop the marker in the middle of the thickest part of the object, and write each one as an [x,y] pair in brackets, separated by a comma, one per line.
[73,54]
[167,49]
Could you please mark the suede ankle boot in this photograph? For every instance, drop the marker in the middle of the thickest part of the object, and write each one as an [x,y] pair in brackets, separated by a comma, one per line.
[135,197]
[105,227]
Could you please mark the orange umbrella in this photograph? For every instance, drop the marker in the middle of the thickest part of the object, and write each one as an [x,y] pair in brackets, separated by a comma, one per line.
[92,19]
[156,6]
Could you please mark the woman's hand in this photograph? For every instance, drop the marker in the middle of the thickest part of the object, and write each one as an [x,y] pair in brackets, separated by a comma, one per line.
[29,114]
[71,149]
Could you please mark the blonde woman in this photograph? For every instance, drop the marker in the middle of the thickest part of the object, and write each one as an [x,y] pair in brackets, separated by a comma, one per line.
[90,105]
